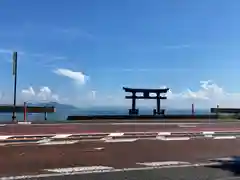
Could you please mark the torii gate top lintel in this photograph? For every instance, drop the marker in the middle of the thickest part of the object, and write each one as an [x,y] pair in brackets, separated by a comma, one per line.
[135,90]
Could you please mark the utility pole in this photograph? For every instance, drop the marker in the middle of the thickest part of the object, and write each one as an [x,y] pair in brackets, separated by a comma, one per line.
[14,58]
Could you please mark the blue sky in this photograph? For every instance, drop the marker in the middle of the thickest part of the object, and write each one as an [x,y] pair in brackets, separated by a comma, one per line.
[136,43]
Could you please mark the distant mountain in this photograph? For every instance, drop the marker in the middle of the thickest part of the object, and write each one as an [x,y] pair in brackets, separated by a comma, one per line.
[62,110]
[58,106]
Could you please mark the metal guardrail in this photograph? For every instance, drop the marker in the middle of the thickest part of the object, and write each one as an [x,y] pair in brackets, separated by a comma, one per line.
[225,110]
[30,109]
[141,117]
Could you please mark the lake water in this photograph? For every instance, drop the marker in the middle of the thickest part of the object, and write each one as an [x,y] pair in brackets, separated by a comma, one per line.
[62,114]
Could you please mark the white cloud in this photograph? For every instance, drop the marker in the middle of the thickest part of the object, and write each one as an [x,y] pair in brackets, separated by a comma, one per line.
[43,94]
[78,77]
[208,95]
[29,91]
[208,91]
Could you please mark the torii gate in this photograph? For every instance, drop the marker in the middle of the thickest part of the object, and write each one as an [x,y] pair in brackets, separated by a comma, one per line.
[146,95]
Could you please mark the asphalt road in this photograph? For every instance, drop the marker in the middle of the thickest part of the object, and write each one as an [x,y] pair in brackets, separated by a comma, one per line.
[34,159]
[98,128]
[142,121]
[188,173]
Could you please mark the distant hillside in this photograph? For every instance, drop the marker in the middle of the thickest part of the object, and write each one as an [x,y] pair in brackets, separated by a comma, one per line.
[57,105]
[62,110]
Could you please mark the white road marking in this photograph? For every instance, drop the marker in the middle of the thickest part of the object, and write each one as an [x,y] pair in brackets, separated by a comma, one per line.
[25,123]
[186,126]
[99,148]
[60,136]
[159,136]
[226,159]
[18,144]
[116,134]
[104,134]
[45,140]
[163,163]
[58,142]
[208,135]
[79,169]
[225,137]
[51,135]
[119,140]
[164,133]
[4,137]
[173,138]
[208,132]
[103,171]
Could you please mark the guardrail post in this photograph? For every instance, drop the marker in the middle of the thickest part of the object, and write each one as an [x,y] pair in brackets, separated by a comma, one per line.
[45,115]
[217,111]
[193,110]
